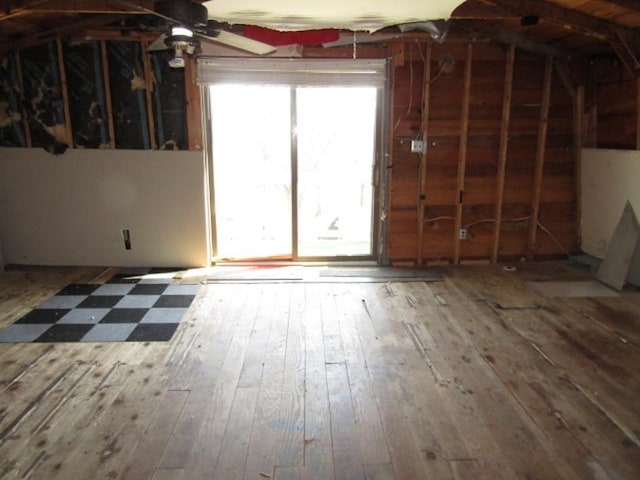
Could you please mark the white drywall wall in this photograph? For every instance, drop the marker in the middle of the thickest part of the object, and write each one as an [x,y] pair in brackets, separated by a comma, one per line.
[70,209]
[609,179]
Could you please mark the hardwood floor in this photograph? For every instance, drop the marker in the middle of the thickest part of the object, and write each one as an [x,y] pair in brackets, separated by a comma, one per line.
[473,377]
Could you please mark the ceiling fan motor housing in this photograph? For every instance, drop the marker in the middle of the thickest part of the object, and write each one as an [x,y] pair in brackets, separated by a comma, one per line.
[186,12]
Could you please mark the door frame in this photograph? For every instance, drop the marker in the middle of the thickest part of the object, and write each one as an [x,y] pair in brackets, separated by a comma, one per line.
[379,180]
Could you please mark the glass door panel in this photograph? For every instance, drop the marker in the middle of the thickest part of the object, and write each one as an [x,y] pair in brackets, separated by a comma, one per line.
[251,133]
[335,145]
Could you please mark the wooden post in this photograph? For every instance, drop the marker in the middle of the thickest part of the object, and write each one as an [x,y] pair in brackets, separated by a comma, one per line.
[194,105]
[65,93]
[578,139]
[637,113]
[25,120]
[540,153]
[148,87]
[462,153]
[107,94]
[504,144]
[423,159]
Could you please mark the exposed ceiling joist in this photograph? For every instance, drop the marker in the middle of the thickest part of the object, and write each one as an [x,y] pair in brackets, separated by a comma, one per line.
[28,41]
[574,20]
[520,41]
[628,50]
[628,4]
[112,7]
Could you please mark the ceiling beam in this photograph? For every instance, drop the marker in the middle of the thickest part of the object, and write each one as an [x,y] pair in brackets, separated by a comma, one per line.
[628,50]
[480,10]
[628,4]
[36,38]
[573,20]
[94,7]
[513,38]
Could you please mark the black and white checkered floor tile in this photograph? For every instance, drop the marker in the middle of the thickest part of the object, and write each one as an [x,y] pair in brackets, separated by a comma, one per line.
[130,307]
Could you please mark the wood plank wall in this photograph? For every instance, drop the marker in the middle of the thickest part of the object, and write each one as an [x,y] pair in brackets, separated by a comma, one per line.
[475,170]
[617,113]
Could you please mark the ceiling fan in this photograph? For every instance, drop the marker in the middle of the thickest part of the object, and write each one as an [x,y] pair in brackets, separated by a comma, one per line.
[188,23]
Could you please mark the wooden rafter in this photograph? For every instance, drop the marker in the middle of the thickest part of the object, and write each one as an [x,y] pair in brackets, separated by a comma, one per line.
[112,7]
[570,19]
[628,49]
[628,4]
[513,38]
[64,30]
[15,8]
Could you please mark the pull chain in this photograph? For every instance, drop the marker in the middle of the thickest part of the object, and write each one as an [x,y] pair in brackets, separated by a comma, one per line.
[354,45]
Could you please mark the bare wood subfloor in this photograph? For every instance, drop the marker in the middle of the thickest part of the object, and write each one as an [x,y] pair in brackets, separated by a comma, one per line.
[378,381]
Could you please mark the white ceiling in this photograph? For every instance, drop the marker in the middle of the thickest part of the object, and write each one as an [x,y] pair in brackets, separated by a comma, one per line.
[357,15]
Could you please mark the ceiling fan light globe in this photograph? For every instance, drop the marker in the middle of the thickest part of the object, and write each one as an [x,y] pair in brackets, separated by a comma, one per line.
[177,62]
[181,31]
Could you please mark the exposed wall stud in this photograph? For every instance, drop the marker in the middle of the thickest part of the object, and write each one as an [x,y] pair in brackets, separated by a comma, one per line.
[194,114]
[638,113]
[502,155]
[423,158]
[578,139]
[462,152]
[540,154]
[148,87]
[25,120]
[107,94]
[65,93]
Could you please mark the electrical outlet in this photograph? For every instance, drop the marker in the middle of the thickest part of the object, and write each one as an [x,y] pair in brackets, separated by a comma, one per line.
[463,234]
[126,237]
[417,146]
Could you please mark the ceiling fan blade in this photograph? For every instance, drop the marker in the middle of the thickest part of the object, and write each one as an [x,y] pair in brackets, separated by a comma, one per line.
[351,38]
[158,44]
[240,42]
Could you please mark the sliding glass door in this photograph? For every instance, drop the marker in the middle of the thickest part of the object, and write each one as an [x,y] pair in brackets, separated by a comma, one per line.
[335,147]
[251,131]
[293,170]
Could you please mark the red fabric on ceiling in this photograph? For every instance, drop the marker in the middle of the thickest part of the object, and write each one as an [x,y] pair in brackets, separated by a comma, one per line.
[303,37]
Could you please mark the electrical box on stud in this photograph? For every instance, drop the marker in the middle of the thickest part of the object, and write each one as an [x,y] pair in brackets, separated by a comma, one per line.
[418,146]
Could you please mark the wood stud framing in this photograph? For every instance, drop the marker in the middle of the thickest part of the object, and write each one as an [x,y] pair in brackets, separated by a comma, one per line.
[502,155]
[578,141]
[25,121]
[540,154]
[638,113]
[65,93]
[423,158]
[149,85]
[107,94]
[194,106]
[462,152]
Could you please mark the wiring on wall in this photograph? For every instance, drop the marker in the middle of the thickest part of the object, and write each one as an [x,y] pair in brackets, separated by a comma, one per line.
[410,103]
[504,220]
[446,66]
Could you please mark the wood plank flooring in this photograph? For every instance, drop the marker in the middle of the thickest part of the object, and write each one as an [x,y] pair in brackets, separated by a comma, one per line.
[332,381]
